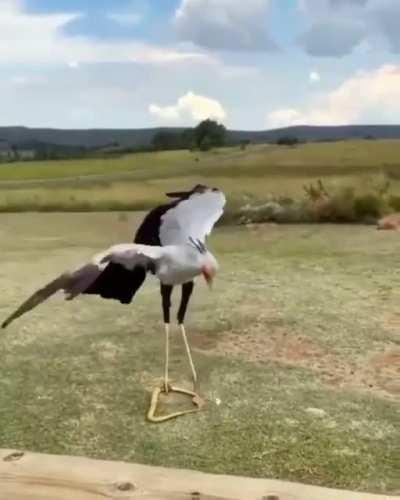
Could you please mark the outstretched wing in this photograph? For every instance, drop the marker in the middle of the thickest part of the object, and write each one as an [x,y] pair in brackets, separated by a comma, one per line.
[38,297]
[72,283]
[192,217]
[130,256]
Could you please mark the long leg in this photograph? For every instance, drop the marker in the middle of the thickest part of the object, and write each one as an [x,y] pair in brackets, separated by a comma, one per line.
[187,290]
[166,291]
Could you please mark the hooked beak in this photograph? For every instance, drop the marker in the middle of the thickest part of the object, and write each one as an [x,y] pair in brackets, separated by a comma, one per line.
[208,276]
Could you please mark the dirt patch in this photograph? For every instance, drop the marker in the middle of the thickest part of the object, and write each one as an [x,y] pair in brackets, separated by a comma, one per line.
[386,368]
[388,363]
[392,323]
[203,341]
[377,372]
[280,346]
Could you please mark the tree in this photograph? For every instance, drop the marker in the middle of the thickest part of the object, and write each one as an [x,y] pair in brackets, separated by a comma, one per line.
[206,144]
[287,140]
[209,134]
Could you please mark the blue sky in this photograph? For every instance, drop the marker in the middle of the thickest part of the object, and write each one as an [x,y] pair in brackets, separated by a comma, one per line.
[251,64]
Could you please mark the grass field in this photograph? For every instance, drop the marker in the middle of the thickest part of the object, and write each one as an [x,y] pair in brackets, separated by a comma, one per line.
[138,181]
[298,343]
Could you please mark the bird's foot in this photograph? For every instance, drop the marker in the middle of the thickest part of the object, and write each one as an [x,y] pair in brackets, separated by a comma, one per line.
[196,400]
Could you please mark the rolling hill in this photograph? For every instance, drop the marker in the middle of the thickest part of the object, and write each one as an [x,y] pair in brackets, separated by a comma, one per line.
[92,138]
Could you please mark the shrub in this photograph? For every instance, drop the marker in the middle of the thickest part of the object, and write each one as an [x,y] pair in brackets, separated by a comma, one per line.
[266,212]
[324,207]
[394,203]
[342,206]
[284,210]
[369,205]
[316,192]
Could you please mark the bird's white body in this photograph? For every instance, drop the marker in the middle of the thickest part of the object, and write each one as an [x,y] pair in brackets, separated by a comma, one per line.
[173,264]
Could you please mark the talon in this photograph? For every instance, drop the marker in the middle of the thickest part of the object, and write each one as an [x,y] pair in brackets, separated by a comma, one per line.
[198,401]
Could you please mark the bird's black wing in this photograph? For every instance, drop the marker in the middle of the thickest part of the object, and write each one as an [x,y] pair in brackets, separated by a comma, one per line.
[117,282]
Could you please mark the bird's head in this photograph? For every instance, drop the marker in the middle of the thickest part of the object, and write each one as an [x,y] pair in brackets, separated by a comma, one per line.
[206,262]
[209,269]
[209,273]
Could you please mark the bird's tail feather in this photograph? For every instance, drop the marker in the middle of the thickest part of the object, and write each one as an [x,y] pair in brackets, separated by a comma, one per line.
[37,298]
[72,283]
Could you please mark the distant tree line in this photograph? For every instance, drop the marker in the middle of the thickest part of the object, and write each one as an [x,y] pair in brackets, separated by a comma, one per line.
[207,135]
[288,140]
[44,151]
[35,150]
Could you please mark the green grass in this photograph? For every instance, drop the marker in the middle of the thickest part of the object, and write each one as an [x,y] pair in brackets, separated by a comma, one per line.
[138,181]
[298,342]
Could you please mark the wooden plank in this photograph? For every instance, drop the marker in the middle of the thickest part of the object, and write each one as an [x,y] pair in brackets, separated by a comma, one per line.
[32,476]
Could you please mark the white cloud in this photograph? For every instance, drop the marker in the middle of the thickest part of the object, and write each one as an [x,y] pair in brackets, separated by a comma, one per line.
[38,38]
[338,27]
[283,118]
[367,97]
[224,24]
[191,107]
[314,77]
[385,16]
[167,113]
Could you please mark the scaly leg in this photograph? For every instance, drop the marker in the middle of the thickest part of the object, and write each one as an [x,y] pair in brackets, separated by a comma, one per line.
[187,290]
[185,340]
[166,383]
[166,292]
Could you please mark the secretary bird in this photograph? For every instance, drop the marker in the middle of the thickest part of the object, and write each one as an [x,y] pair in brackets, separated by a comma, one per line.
[170,244]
